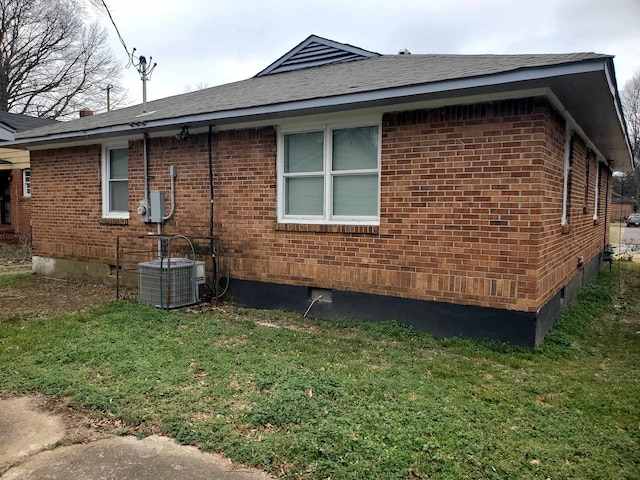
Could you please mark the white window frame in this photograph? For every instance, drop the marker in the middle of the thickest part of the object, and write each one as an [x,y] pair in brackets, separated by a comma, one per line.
[106,178]
[327,218]
[26,185]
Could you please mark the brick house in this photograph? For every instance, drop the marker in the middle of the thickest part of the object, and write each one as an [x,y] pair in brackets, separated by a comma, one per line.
[463,195]
[15,178]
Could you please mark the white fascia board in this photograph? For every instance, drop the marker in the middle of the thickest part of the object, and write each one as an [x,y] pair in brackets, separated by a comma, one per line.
[618,105]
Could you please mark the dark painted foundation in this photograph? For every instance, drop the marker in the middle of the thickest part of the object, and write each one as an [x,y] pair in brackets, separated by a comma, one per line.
[440,319]
[549,312]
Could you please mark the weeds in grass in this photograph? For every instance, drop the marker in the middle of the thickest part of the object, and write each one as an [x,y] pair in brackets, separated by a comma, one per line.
[318,399]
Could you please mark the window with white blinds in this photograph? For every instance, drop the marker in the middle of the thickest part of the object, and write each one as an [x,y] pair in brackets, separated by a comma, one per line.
[330,175]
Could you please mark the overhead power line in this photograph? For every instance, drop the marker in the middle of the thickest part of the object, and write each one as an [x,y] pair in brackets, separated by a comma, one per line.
[117,31]
[145,68]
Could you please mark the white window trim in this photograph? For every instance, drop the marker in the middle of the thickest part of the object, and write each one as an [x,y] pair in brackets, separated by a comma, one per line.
[327,173]
[106,213]
[24,183]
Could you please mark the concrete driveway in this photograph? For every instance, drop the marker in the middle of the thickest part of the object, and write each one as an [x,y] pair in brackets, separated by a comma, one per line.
[29,451]
[631,236]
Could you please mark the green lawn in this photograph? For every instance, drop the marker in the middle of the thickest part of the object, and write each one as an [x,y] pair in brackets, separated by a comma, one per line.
[350,400]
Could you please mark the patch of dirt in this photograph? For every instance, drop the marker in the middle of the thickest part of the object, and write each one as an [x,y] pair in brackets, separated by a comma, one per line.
[14,258]
[8,267]
[35,296]
[80,426]
[39,297]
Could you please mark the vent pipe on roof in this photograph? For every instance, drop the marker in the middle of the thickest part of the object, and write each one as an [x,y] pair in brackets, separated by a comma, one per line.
[404,51]
[86,112]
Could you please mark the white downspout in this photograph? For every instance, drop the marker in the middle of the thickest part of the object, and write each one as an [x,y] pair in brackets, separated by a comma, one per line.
[597,200]
[567,167]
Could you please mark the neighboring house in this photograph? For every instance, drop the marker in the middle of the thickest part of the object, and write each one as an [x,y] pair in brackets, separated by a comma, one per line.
[621,207]
[466,195]
[15,178]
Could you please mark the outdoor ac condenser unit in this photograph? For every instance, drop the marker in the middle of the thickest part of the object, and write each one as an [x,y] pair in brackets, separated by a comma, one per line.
[169,283]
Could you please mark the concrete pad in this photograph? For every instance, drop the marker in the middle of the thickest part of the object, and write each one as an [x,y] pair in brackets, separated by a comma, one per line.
[24,431]
[27,438]
[127,458]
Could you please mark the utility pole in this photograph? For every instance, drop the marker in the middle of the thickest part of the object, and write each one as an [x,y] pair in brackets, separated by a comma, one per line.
[108,89]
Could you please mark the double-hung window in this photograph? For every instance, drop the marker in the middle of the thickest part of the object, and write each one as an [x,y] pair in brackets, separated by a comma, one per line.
[329,175]
[115,182]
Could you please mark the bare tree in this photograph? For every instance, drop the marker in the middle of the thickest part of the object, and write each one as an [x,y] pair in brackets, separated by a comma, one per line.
[195,87]
[630,98]
[51,64]
[631,104]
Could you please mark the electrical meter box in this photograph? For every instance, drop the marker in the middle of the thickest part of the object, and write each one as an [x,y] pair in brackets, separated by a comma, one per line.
[143,211]
[157,206]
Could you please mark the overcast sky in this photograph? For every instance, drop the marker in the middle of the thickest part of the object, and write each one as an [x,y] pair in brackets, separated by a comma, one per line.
[214,42]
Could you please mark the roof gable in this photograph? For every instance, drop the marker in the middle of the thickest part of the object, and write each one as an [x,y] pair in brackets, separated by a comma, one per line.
[314,52]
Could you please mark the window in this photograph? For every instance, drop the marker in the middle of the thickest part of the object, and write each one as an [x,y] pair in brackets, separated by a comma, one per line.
[115,184]
[26,182]
[329,175]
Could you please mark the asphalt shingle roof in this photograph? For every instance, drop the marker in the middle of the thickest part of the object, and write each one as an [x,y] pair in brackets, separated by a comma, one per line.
[367,75]
[20,123]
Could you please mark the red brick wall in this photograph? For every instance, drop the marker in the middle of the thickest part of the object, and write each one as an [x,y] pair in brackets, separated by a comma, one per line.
[560,248]
[471,202]
[67,210]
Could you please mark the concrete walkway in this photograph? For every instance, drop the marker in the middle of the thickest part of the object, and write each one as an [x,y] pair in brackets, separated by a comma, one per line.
[27,438]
